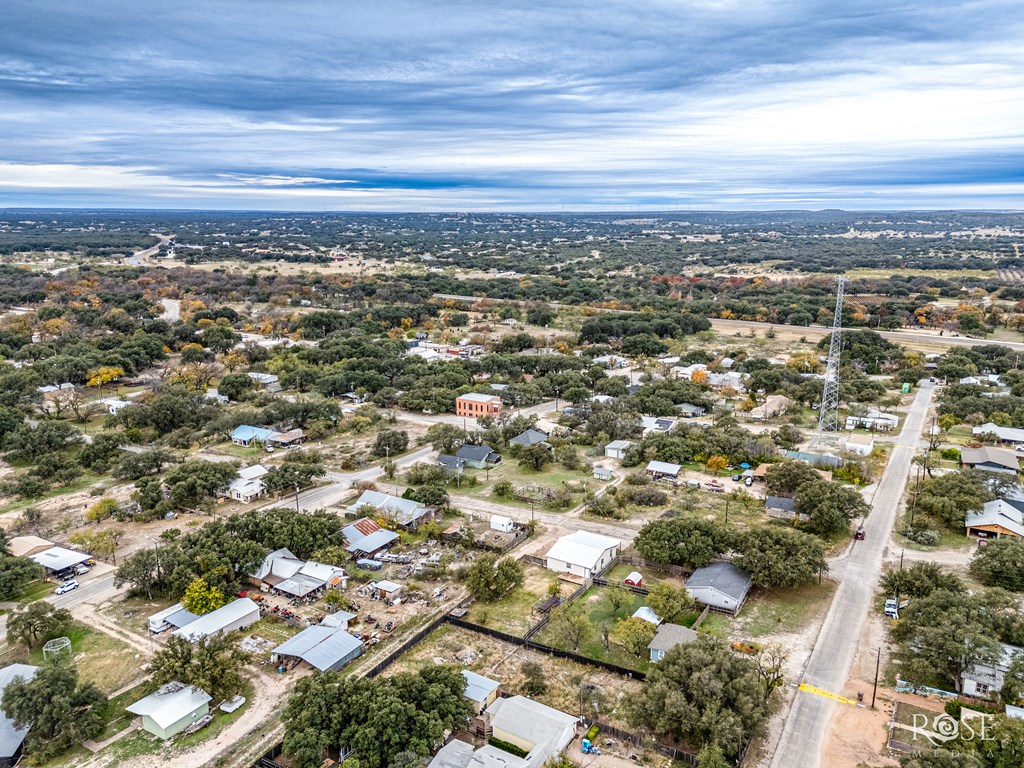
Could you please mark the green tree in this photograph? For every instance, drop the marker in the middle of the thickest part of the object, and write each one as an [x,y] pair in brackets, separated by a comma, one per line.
[197,483]
[1013,682]
[670,602]
[38,622]
[377,717]
[445,438]
[535,457]
[711,756]
[688,541]
[942,635]
[703,693]
[101,510]
[235,386]
[15,573]
[201,598]
[570,626]
[489,577]
[784,478]
[920,580]
[213,664]
[948,498]
[1000,564]
[618,597]
[151,461]
[390,442]
[61,711]
[830,506]
[633,634]
[780,557]
[28,443]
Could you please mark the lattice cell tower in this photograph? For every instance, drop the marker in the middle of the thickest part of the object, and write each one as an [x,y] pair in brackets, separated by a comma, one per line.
[828,416]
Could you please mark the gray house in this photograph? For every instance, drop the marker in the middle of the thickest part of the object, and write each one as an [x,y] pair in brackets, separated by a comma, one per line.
[722,586]
[529,437]
[668,637]
[478,456]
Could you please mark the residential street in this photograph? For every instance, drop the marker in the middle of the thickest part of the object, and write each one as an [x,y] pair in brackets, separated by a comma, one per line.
[832,658]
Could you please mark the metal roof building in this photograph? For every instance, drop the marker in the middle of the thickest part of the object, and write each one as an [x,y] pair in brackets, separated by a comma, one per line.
[171,709]
[325,648]
[235,615]
[58,558]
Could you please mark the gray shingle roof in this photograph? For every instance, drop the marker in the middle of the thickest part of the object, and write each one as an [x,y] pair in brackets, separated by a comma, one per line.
[725,577]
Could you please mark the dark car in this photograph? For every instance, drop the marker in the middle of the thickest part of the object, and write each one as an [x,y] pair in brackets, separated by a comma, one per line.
[859,535]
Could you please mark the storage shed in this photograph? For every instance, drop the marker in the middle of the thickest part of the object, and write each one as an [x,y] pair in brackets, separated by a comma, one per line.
[322,647]
[171,709]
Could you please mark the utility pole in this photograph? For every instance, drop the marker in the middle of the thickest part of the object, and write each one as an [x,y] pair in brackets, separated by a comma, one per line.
[297,499]
[878,664]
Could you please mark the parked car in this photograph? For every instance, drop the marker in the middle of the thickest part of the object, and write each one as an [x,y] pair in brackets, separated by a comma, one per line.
[81,569]
[892,609]
[859,535]
[748,481]
[735,478]
[66,587]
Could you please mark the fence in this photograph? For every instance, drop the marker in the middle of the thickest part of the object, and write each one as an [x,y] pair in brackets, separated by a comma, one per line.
[405,647]
[638,740]
[671,570]
[534,560]
[603,582]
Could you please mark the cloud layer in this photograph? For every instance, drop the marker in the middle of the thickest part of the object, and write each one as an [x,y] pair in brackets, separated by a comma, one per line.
[400,105]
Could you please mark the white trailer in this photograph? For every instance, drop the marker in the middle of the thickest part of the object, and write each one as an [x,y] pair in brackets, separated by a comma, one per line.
[158,621]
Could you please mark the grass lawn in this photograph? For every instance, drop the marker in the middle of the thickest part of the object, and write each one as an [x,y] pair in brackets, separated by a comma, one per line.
[715,624]
[273,629]
[253,452]
[784,610]
[100,658]
[552,477]
[651,577]
[514,612]
[601,614]
[37,590]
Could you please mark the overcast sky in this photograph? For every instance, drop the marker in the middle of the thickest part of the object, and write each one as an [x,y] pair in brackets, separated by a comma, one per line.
[482,105]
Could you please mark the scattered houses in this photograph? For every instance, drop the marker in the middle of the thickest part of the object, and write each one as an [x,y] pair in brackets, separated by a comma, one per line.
[582,554]
[288,574]
[690,411]
[860,444]
[989,459]
[267,381]
[668,637]
[171,709]
[473,405]
[722,586]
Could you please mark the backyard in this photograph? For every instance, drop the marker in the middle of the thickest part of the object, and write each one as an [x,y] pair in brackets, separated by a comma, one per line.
[514,613]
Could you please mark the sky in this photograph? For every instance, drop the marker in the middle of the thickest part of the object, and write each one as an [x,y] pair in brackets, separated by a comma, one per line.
[480,105]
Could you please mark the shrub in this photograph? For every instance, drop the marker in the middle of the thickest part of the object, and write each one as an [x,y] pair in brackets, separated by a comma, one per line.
[503,489]
[506,747]
[642,496]
[925,536]
[636,478]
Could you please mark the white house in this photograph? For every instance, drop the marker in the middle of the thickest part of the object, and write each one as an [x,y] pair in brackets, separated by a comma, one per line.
[656,424]
[113,405]
[985,678]
[874,420]
[860,444]
[582,553]
[238,614]
[249,484]
[541,731]
[687,371]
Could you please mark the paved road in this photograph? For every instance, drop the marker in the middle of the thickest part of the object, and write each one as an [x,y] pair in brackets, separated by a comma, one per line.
[832,658]
[907,337]
[141,258]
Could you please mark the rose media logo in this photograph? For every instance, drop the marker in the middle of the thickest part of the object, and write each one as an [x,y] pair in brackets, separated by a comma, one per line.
[944,727]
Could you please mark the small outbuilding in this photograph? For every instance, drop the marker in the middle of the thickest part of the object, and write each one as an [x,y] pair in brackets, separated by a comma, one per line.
[480,690]
[616,449]
[660,469]
[634,579]
[171,709]
[603,473]
[647,613]
[502,523]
